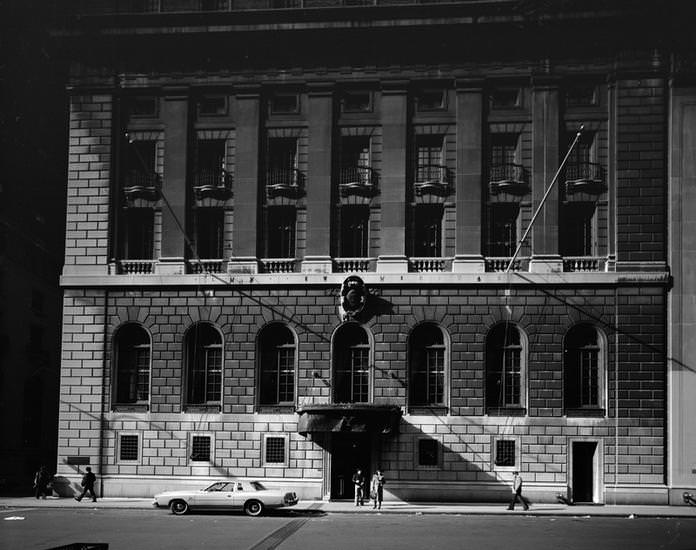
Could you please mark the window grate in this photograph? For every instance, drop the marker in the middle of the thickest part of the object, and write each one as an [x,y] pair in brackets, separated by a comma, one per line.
[427,452]
[505,452]
[200,448]
[128,447]
[275,450]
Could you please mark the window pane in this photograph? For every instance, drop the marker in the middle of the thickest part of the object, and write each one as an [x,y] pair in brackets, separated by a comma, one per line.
[204,348]
[351,365]
[428,231]
[277,356]
[502,230]
[139,233]
[576,238]
[275,450]
[281,232]
[581,363]
[503,367]
[505,452]
[427,452]
[354,231]
[128,449]
[200,448]
[133,365]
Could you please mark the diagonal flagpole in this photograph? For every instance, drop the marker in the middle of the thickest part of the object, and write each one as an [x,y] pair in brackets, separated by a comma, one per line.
[543,200]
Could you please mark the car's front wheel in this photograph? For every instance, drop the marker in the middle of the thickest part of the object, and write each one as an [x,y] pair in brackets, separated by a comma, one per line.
[253,508]
[179,507]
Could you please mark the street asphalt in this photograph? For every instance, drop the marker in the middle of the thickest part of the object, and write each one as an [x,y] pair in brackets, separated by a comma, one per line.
[389,507]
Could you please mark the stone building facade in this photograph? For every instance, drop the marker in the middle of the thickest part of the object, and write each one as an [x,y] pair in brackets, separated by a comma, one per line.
[285,263]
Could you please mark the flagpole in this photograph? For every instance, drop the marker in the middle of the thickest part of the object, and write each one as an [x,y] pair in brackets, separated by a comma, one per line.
[543,200]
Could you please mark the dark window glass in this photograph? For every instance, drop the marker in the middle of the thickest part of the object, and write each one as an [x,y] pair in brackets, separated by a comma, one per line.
[284,104]
[502,230]
[210,163]
[282,163]
[429,163]
[503,367]
[138,241]
[210,233]
[275,450]
[281,231]
[355,151]
[277,376]
[351,365]
[212,105]
[200,448]
[503,149]
[505,452]
[354,231]
[581,96]
[581,361]
[427,231]
[575,232]
[428,452]
[143,106]
[427,358]
[128,449]
[140,162]
[133,364]
[357,101]
[430,100]
[505,98]
[204,355]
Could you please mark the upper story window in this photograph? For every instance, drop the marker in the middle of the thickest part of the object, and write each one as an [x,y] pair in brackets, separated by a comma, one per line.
[351,365]
[354,236]
[505,363]
[431,99]
[356,101]
[210,233]
[283,103]
[583,364]
[429,159]
[212,105]
[282,174]
[203,365]
[427,366]
[581,95]
[280,233]
[505,98]
[132,376]
[276,347]
[501,236]
[427,230]
[143,106]
[140,162]
[137,232]
[577,235]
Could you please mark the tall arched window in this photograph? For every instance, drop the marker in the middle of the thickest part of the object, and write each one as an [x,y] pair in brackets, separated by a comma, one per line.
[203,365]
[583,364]
[427,366]
[132,344]
[351,365]
[505,360]
[277,365]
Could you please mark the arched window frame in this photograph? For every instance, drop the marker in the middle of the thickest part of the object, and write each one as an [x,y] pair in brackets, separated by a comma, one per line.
[360,357]
[436,367]
[589,401]
[285,355]
[203,360]
[513,356]
[139,370]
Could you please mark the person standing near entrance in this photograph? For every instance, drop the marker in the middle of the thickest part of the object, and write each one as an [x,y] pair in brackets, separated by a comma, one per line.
[41,481]
[88,481]
[377,489]
[359,484]
[517,492]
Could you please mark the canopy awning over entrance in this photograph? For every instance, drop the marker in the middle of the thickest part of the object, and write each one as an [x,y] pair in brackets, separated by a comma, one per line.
[350,417]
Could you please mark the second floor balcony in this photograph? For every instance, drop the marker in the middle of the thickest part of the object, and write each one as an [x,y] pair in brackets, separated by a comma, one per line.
[284,181]
[508,178]
[138,184]
[357,180]
[215,183]
[585,177]
[431,179]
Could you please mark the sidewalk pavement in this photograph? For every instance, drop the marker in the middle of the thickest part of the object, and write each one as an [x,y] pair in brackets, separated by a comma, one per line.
[389,507]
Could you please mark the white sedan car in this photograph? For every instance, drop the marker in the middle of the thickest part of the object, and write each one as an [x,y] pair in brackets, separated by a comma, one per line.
[250,496]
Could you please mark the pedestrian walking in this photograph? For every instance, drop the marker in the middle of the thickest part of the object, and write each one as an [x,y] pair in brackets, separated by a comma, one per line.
[377,489]
[88,481]
[41,480]
[359,484]
[517,492]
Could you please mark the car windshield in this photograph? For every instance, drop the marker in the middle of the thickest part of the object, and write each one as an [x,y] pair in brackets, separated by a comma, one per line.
[257,485]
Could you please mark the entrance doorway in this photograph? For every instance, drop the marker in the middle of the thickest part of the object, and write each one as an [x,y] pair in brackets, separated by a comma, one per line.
[349,451]
[584,471]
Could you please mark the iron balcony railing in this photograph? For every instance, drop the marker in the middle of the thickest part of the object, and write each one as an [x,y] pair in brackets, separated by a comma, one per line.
[508,178]
[212,182]
[585,171]
[431,173]
[284,180]
[356,179]
[140,184]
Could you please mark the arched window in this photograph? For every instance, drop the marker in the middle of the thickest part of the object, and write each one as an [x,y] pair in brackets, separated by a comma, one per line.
[504,368]
[351,365]
[203,365]
[277,365]
[132,365]
[583,364]
[427,366]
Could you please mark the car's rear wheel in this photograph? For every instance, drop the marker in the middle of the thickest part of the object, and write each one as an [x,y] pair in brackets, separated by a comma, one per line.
[253,508]
[179,507]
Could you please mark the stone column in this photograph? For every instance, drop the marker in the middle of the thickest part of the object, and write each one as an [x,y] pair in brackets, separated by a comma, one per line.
[318,253]
[394,109]
[468,257]
[246,182]
[545,162]
[175,118]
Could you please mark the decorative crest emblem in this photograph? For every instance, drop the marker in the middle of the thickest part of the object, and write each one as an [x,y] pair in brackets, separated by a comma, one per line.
[353,297]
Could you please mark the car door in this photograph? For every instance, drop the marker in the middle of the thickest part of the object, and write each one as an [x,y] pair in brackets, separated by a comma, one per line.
[213,497]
